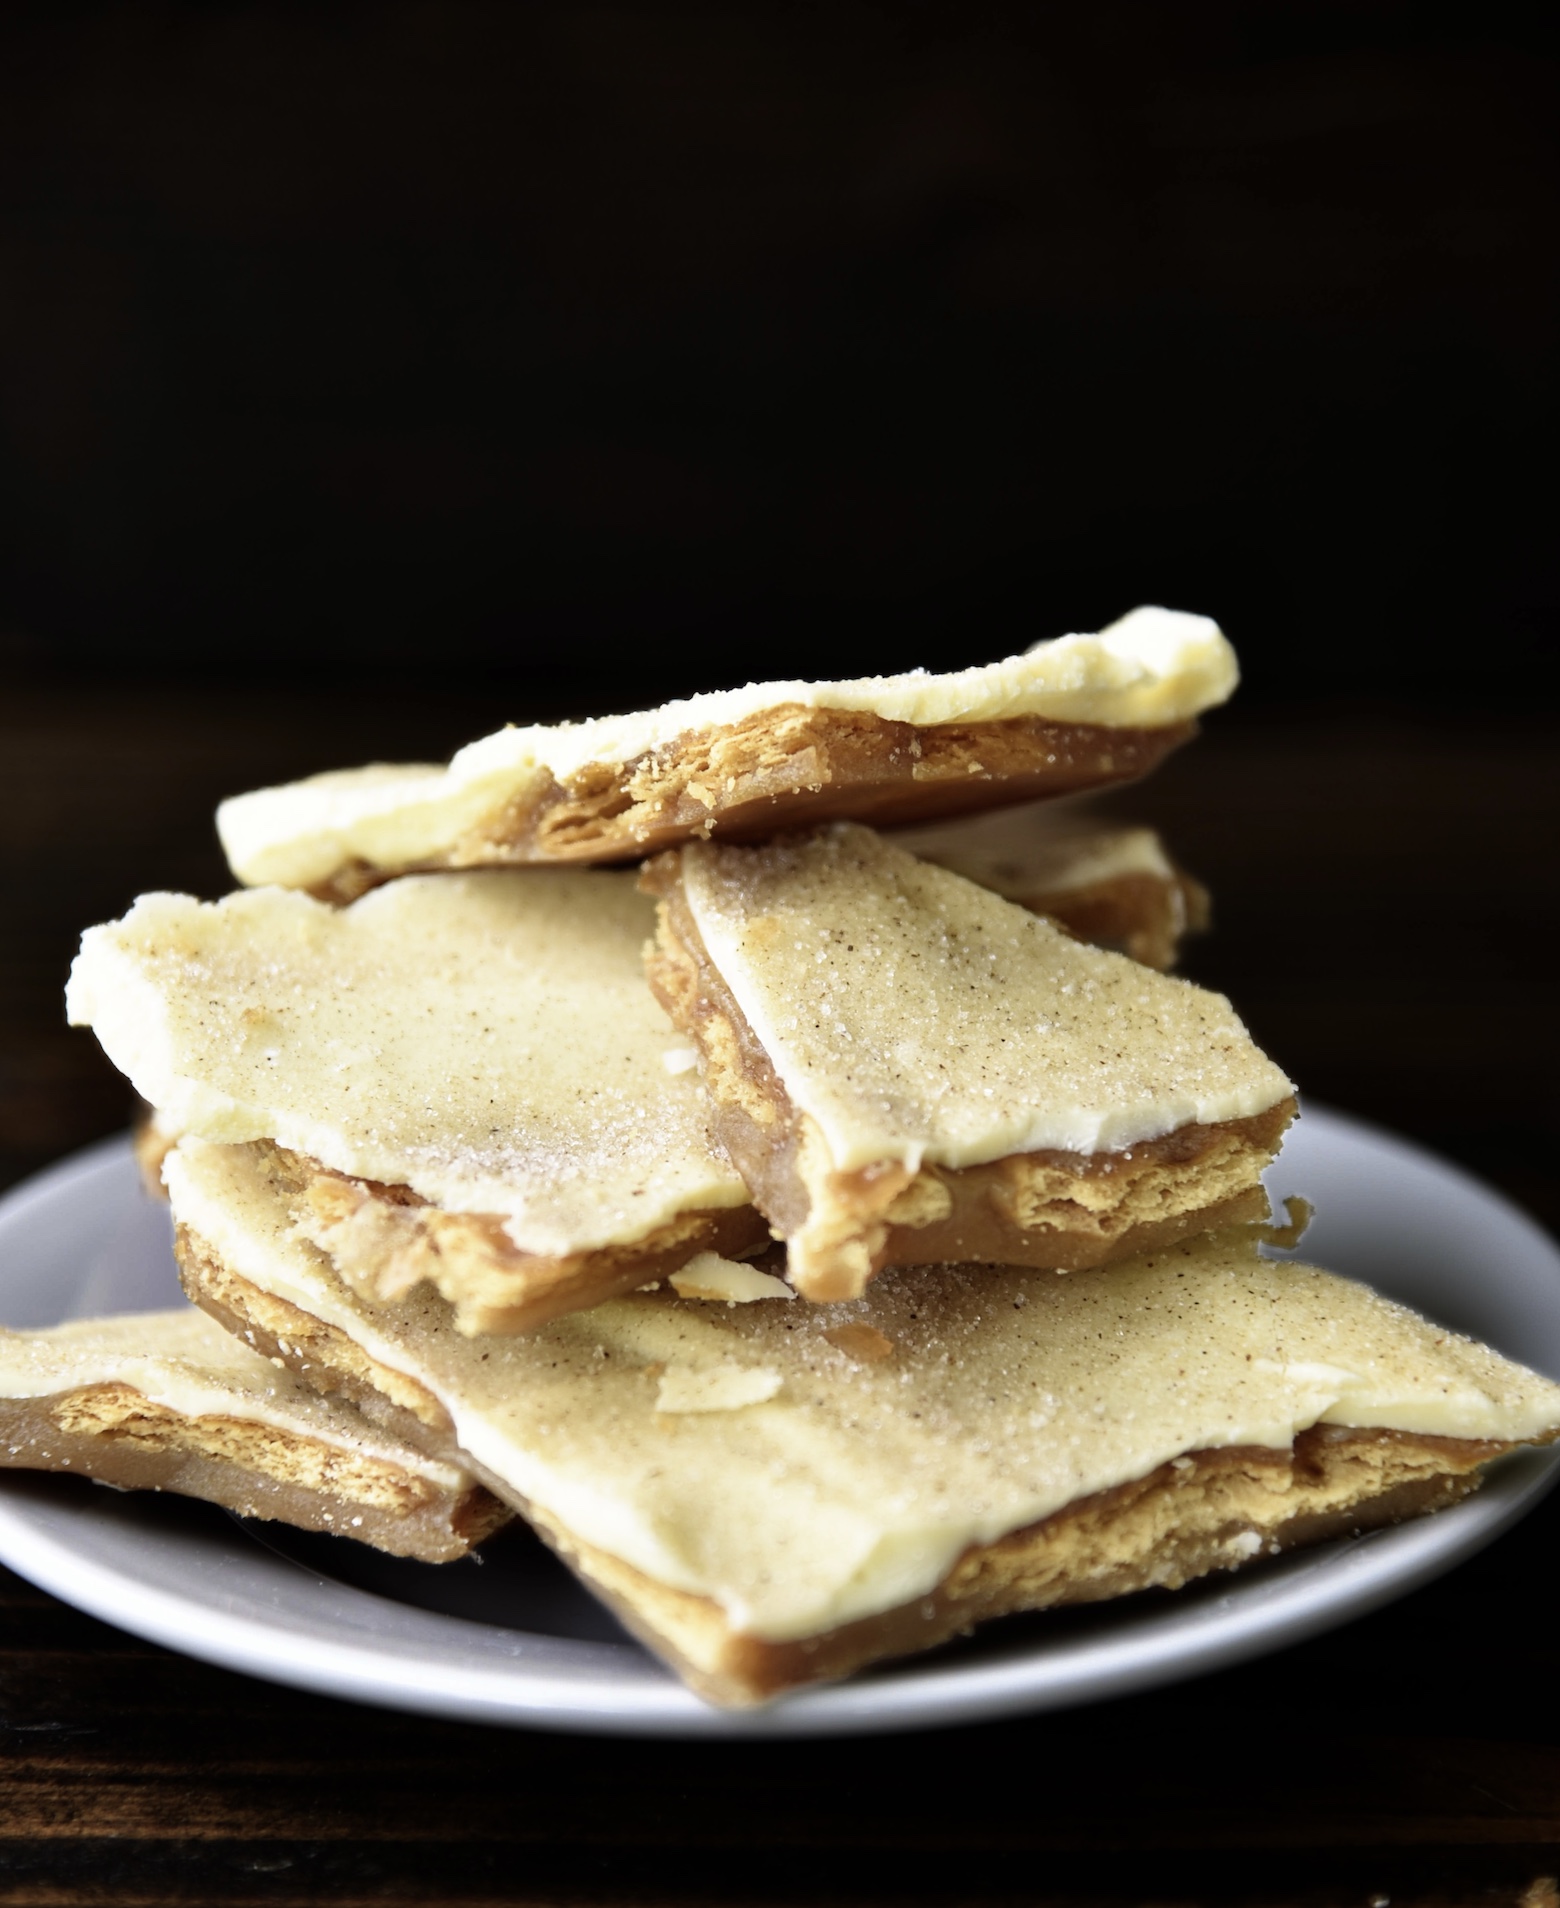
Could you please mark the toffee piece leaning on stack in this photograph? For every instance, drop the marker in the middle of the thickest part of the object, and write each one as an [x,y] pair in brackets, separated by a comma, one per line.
[907,1068]
[1082,712]
[747,1300]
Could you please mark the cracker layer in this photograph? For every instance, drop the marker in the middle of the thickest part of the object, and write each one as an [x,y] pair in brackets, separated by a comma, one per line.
[169,1401]
[1079,712]
[485,1041]
[851,1474]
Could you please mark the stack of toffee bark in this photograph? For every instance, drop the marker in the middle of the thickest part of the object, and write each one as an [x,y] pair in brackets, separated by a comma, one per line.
[756,1143]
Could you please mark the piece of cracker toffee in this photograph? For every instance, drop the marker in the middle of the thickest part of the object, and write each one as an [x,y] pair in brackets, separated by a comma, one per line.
[771,1494]
[168,1401]
[464,1077]
[906,1068]
[1105,881]
[1079,712]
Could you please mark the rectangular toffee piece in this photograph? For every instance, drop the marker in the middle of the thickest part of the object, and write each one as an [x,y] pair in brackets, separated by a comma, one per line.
[1105,881]
[168,1401]
[770,1494]
[466,1078]
[1079,712]
[907,1068]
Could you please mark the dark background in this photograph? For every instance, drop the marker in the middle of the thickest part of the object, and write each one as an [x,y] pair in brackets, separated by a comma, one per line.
[592,352]
[371,375]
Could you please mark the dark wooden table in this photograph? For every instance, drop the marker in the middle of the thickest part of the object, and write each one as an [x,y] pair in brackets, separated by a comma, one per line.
[1387,920]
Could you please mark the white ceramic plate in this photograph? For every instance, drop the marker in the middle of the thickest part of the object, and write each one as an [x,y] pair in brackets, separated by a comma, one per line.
[517,1641]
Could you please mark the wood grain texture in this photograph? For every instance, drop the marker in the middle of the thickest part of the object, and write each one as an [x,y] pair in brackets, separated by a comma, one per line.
[1385,921]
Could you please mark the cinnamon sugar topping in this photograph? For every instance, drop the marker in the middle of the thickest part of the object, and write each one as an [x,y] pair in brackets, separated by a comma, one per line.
[823,1490]
[487,1040]
[915,1017]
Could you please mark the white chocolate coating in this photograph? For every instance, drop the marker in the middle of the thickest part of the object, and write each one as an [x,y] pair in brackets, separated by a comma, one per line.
[727,1281]
[1153,668]
[487,1039]
[185,1362]
[917,1017]
[846,1488]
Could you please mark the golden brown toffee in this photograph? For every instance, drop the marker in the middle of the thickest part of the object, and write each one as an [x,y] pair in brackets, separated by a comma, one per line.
[744,1456]
[1079,712]
[486,1041]
[908,1067]
[169,1401]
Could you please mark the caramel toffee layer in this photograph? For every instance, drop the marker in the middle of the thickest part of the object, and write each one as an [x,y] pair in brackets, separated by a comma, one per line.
[1206,1511]
[1080,712]
[167,1401]
[771,1493]
[787,768]
[1210,1510]
[1061,1208]
[385,1239]
[1138,915]
[469,1070]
